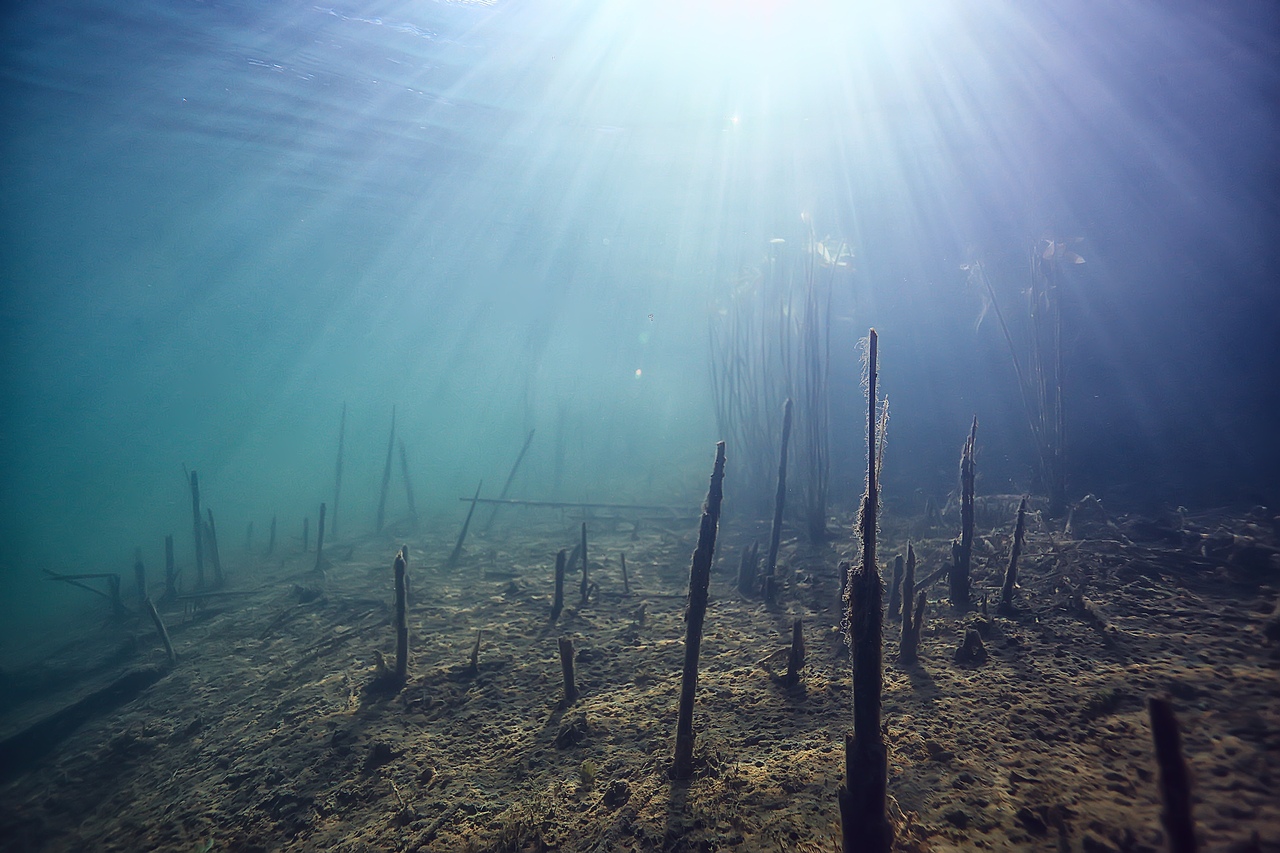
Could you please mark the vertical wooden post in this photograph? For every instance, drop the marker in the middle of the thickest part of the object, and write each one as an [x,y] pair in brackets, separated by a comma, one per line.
[779,499]
[699,579]
[198,524]
[566,666]
[402,621]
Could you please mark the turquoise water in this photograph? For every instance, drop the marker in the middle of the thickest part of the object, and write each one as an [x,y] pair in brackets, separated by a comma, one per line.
[224,221]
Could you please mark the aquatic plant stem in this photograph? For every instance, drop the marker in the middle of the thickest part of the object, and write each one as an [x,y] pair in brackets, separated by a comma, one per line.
[699,579]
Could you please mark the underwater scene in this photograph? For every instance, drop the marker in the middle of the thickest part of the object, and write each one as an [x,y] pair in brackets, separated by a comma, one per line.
[640,425]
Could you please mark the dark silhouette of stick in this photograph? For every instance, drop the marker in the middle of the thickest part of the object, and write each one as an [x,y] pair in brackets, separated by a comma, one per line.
[780,497]
[506,487]
[699,579]
[962,548]
[386,472]
[1005,607]
[198,523]
[909,638]
[462,537]
[160,629]
[213,551]
[585,588]
[337,476]
[408,486]
[320,541]
[402,622]
[558,604]
[566,666]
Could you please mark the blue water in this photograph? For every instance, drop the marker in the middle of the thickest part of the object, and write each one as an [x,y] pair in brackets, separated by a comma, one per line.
[222,221]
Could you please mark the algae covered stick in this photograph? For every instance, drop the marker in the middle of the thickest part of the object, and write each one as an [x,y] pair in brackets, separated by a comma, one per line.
[699,579]
[909,638]
[337,477]
[775,534]
[386,472]
[198,524]
[506,487]
[863,797]
[462,537]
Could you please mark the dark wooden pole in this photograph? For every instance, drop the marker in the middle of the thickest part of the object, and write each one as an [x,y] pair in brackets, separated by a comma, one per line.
[462,537]
[1005,607]
[198,523]
[337,476]
[386,473]
[506,487]
[585,588]
[213,550]
[779,499]
[962,549]
[566,666]
[699,579]
[402,622]
[863,817]
[558,604]
[320,541]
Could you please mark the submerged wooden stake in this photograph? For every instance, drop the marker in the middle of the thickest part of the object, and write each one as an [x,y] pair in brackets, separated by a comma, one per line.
[320,541]
[170,571]
[780,497]
[337,476]
[699,579]
[962,548]
[909,638]
[213,551]
[863,798]
[271,542]
[198,523]
[408,486]
[1005,607]
[747,568]
[462,537]
[558,604]
[795,655]
[585,588]
[566,666]
[386,472]
[895,589]
[402,622]
[160,629]
[506,487]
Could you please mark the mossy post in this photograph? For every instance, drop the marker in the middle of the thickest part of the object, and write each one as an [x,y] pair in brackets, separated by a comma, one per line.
[864,820]
[558,604]
[402,622]
[1005,607]
[779,499]
[198,524]
[909,639]
[386,473]
[699,579]
[1175,781]
[962,548]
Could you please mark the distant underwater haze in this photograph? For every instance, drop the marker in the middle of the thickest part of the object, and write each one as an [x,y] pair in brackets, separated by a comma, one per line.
[223,222]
